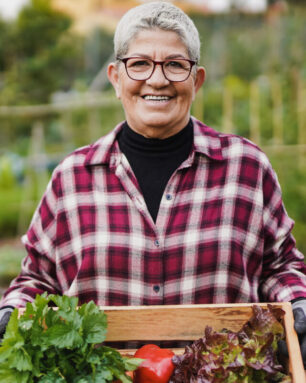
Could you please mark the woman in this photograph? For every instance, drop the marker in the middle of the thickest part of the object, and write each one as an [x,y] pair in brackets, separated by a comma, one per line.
[162,210]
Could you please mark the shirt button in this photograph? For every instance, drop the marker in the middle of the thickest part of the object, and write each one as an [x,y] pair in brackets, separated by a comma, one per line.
[168,197]
[156,243]
[156,288]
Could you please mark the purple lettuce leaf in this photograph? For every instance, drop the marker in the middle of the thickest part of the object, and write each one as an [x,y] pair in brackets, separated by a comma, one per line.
[246,356]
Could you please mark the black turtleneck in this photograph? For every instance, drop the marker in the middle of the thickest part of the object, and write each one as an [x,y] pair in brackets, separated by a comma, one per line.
[154,160]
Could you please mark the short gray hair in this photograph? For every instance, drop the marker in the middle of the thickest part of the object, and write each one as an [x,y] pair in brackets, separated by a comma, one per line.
[157,14]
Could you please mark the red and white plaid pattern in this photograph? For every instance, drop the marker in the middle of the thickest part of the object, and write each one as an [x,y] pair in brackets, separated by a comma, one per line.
[222,233]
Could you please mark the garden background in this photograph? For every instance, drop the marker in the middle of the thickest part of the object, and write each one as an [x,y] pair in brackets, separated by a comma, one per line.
[54,97]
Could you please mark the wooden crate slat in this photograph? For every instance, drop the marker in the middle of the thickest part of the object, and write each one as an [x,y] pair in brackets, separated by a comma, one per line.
[296,366]
[172,323]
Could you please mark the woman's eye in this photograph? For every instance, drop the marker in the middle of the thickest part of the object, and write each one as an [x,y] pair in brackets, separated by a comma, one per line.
[175,64]
[139,63]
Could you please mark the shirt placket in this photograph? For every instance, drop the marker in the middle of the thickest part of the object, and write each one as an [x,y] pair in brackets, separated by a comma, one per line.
[167,204]
[155,287]
[164,213]
[168,198]
[153,253]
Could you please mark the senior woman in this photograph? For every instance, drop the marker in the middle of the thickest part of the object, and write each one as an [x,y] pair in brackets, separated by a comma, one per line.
[163,209]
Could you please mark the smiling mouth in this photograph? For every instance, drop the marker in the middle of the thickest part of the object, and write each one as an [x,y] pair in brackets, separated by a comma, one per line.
[156,98]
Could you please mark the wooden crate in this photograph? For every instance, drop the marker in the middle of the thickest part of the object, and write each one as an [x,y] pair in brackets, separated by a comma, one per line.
[187,322]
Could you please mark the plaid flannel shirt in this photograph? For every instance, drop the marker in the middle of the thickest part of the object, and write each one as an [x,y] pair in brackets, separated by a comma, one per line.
[222,234]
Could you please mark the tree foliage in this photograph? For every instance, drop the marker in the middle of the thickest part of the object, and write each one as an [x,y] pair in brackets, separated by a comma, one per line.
[39,54]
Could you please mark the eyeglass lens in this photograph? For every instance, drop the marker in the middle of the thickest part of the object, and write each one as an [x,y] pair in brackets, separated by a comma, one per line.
[142,69]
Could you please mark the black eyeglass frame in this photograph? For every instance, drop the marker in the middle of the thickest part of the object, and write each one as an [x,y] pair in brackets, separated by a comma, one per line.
[161,63]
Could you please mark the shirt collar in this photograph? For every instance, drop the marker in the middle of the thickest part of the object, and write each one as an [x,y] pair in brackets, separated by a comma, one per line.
[207,141]
[106,149]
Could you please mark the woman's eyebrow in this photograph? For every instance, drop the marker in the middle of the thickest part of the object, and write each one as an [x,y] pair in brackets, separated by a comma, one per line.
[175,56]
[172,56]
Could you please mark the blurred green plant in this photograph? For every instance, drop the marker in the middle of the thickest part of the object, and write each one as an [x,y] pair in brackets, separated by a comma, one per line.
[292,179]
[7,178]
[98,48]
[11,256]
[10,196]
[10,200]
[39,54]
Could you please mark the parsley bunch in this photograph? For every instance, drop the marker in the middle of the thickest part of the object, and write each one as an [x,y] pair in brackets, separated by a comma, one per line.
[60,346]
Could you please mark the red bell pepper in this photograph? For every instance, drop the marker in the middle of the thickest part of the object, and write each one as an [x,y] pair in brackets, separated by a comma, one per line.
[157,366]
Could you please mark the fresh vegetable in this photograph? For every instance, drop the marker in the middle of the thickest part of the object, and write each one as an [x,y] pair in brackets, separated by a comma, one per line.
[157,366]
[60,346]
[227,357]
[128,373]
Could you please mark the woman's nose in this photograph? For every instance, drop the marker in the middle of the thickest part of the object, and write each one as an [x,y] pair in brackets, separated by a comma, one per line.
[158,78]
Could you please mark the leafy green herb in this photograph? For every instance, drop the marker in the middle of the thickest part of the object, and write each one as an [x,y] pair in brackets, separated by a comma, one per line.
[248,356]
[62,345]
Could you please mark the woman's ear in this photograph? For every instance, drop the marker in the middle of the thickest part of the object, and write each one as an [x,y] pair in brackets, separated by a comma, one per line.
[113,76]
[199,78]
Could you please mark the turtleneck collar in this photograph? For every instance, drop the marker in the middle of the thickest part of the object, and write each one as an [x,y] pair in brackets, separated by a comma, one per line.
[150,147]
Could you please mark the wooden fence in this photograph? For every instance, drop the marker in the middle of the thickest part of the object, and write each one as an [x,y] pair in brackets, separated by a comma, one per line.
[39,117]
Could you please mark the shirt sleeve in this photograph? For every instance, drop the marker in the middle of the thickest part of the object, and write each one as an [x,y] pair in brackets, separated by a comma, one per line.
[284,270]
[38,271]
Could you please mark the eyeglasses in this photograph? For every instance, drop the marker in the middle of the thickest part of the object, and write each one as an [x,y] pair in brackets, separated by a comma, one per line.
[141,69]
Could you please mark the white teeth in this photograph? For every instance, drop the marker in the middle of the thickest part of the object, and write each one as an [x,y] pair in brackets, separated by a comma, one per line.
[156,98]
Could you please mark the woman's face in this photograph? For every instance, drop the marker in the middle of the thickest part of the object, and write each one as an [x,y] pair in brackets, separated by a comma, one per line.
[156,118]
